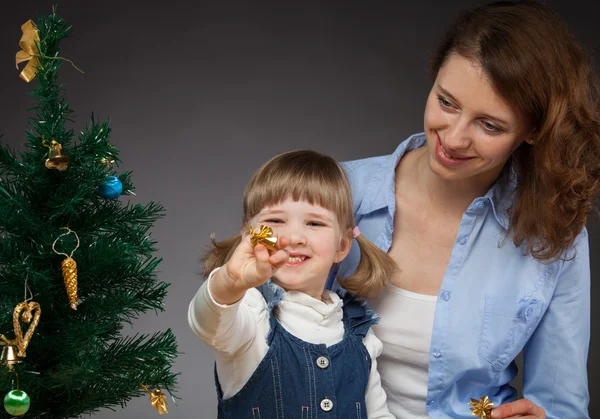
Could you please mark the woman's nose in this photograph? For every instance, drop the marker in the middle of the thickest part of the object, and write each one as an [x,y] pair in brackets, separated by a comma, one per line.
[458,136]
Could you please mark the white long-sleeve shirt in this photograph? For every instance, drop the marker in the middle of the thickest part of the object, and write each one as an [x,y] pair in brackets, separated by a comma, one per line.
[237,332]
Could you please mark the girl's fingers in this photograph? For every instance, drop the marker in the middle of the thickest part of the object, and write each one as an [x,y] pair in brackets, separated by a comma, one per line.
[279,258]
[283,241]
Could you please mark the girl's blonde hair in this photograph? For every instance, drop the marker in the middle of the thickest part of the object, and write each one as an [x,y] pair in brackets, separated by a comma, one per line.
[306,175]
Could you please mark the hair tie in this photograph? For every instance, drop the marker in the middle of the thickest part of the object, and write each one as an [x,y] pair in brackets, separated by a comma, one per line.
[355,232]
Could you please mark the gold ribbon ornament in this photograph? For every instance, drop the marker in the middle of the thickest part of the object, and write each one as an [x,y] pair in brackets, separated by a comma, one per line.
[29,50]
[482,408]
[157,400]
[27,312]
[264,236]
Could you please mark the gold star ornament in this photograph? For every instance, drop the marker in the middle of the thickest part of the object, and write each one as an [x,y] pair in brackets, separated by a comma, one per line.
[482,408]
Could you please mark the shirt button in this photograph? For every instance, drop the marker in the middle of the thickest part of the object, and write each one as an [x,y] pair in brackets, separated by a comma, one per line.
[446,295]
[497,366]
[437,354]
[322,362]
[326,404]
[462,241]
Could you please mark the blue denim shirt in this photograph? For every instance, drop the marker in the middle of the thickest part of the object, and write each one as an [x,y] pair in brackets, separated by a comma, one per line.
[494,302]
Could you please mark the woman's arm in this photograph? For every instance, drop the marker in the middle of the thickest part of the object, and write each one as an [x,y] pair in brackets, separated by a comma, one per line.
[555,358]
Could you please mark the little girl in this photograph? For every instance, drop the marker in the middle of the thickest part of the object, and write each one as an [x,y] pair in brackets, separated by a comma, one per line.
[285,346]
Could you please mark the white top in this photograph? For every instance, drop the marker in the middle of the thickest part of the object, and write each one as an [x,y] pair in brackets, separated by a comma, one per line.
[238,333]
[406,323]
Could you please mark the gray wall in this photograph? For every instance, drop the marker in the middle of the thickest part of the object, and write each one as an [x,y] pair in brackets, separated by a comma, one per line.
[199,93]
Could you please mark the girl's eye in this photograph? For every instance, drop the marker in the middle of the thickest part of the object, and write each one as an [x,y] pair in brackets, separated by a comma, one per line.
[444,103]
[273,221]
[315,224]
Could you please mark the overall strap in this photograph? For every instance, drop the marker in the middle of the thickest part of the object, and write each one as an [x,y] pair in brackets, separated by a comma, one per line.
[358,315]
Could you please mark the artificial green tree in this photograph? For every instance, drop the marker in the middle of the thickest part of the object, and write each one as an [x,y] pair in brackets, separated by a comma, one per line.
[58,193]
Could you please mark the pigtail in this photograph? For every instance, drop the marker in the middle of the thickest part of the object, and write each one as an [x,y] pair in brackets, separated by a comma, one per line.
[373,272]
[219,253]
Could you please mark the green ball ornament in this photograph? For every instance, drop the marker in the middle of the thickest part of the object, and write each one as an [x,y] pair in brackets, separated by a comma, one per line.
[16,402]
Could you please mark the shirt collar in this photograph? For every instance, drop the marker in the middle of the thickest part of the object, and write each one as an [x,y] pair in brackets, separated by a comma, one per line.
[381,193]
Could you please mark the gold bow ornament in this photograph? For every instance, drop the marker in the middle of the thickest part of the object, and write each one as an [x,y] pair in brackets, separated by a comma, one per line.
[29,50]
[157,400]
[264,236]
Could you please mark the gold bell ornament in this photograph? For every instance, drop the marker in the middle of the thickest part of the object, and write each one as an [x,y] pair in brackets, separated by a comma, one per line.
[9,356]
[56,159]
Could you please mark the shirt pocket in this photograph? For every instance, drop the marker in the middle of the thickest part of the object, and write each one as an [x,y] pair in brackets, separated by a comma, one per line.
[507,326]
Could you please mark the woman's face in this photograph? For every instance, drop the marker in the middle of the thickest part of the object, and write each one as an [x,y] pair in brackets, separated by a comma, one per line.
[471,131]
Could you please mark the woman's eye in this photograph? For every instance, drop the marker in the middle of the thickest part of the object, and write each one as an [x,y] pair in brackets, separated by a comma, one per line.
[490,127]
[445,103]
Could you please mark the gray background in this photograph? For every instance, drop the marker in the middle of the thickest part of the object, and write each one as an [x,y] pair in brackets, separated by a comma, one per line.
[200,93]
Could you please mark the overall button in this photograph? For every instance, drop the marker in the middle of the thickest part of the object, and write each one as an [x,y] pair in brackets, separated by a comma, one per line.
[462,241]
[326,404]
[322,362]
[437,354]
[446,295]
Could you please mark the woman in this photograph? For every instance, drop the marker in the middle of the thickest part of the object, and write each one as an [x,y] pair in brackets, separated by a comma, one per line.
[485,215]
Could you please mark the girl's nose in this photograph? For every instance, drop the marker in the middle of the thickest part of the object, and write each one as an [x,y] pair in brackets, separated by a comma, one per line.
[297,238]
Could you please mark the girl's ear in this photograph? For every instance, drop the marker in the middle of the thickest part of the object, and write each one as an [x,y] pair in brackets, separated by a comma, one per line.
[344,248]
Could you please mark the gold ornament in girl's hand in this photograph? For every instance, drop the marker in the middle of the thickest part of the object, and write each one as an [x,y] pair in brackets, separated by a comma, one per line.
[482,408]
[264,236]
[157,400]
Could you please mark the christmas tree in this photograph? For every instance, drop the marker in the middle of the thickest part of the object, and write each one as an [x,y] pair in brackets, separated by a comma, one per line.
[76,262]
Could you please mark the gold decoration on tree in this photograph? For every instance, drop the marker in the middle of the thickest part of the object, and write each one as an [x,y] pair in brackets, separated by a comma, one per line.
[28,312]
[69,269]
[157,399]
[29,51]
[56,159]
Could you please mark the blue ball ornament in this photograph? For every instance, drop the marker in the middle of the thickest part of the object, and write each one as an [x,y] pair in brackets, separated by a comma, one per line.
[111,188]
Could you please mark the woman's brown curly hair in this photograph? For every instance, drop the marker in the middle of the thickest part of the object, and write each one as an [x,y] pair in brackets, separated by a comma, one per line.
[538,67]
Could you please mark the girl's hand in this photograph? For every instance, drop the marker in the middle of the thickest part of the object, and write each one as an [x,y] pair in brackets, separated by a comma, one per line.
[521,409]
[250,266]
[247,268]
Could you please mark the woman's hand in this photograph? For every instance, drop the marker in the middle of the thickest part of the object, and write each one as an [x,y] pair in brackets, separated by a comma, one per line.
[521,409]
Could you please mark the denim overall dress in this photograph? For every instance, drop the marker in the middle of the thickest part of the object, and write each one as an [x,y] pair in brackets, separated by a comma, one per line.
[297,379]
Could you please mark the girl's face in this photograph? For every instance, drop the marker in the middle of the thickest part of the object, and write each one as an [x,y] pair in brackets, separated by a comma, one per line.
[316,243]
[471,131]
